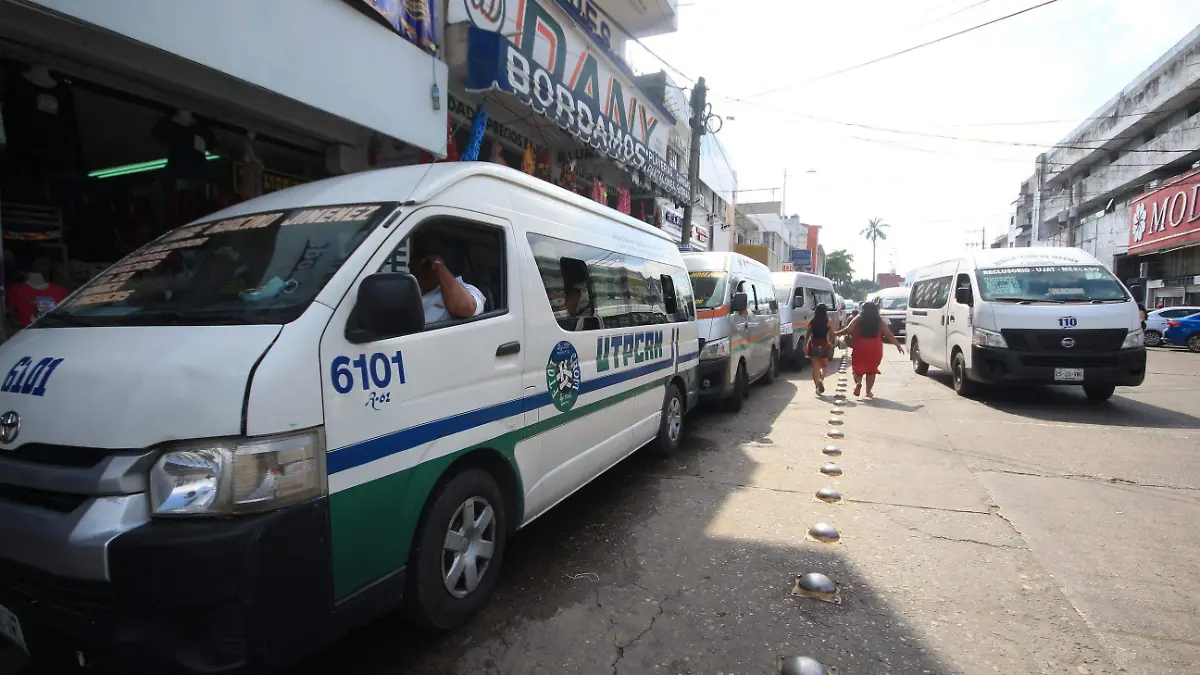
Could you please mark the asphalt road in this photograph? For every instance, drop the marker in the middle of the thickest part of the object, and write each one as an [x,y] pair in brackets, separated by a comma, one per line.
[1025,532]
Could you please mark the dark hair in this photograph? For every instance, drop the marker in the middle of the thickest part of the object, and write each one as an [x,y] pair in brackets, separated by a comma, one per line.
[821,317]
[429,242]
[869,322]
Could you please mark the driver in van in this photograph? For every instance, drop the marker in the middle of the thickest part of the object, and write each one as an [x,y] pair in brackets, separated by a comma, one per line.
[444,295]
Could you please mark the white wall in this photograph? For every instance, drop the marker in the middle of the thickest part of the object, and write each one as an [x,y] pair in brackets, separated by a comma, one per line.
[322,53]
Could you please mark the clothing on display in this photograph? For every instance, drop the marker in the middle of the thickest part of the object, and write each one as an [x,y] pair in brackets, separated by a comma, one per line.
[624,200]
[34,297]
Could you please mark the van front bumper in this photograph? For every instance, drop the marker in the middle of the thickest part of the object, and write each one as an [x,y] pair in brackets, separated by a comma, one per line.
[221,595]
[714,378]
[1124,368]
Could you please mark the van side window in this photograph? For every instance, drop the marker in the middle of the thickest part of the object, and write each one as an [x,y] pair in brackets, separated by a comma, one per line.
[963,281]
[591,288]
[472,252]
[799,297]
[930,293]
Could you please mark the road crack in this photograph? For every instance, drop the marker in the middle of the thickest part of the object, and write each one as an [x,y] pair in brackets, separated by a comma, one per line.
[621,648]
[1115,480]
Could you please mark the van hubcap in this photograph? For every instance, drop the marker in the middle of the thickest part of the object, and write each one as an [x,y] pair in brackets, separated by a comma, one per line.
[469,545]
[674,419]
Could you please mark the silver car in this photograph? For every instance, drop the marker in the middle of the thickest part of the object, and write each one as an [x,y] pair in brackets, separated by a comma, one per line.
[1156,322]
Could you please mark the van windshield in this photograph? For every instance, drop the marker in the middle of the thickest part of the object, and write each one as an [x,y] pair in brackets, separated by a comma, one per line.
[709,288]
[782,293]
[263,268]
[894,302]
[1059,284]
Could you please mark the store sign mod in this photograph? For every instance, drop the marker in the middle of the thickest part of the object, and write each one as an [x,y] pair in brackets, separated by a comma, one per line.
[555,70]
[1167,216]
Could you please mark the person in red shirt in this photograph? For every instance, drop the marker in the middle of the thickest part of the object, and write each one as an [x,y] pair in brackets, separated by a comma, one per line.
[34,296]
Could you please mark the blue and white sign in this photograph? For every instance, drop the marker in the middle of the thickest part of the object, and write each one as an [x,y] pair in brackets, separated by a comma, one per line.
[801,258]
[550,65]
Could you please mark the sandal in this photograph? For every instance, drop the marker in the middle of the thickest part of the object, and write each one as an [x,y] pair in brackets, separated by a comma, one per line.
[858,389]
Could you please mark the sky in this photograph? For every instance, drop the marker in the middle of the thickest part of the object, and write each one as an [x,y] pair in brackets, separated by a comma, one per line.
[1026,82]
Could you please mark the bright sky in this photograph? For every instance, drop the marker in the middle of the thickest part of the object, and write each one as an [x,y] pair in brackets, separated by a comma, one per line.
[1030,79]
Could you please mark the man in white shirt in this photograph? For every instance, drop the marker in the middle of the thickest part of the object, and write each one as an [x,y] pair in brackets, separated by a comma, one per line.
[444,296]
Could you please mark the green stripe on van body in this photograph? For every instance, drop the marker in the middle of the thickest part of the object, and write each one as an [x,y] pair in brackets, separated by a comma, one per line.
[373,524]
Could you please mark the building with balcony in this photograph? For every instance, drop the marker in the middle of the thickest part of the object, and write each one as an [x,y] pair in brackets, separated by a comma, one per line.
[1139,149]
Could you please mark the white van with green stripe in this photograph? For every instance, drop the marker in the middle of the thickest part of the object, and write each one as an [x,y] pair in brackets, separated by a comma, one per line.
[249,436]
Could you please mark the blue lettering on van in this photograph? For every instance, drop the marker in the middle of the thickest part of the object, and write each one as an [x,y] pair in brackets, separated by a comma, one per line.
[28,377]
[619,351]
[375,369]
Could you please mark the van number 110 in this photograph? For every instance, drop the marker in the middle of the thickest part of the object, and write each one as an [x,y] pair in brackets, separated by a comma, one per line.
[372,369]
[1067,322]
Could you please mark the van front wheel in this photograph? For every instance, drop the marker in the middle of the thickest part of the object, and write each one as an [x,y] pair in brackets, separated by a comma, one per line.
[963,385]
[1098,393]
[741,388]
[459,547]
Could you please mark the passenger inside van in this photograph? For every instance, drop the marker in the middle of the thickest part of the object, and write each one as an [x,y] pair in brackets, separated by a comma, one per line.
[444,294]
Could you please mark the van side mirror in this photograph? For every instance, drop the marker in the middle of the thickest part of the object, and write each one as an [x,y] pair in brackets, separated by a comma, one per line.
[963,296]
[388,305]
[738,303]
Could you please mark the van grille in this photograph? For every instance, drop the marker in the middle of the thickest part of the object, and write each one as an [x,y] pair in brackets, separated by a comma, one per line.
[46,499]
[1105,340]
[60,455]
[1069,361]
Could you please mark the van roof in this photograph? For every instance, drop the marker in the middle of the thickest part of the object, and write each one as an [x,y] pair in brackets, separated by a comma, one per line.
[886,292]
[723,260]
[413,185]
[1023,257]
[792,276]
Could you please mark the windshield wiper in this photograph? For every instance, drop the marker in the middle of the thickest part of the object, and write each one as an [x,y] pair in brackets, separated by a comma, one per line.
[1019,301]
[62,320]
[198,317]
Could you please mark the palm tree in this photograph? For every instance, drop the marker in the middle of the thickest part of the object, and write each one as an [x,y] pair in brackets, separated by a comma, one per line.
[874,231]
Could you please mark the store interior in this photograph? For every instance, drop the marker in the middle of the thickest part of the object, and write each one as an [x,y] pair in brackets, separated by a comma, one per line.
[89,173]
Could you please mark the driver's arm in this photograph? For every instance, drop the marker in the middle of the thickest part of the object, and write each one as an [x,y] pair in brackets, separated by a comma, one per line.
[459,301]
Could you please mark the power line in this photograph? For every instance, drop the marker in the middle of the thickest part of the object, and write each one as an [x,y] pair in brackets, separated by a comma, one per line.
[909,49]
[641,44]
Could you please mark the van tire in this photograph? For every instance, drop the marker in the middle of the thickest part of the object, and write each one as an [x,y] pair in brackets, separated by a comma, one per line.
[1099,393]
[670,425]
[741,389]
[430,602]
[919,366]
[772,368]
[963,385]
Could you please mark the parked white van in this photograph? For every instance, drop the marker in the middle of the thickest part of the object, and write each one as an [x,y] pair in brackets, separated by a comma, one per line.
[260,430]
[1026,316]
[893,307]
[799,294]
[739,324]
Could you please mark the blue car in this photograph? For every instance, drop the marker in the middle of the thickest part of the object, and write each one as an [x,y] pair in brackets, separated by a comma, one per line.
[1184,332]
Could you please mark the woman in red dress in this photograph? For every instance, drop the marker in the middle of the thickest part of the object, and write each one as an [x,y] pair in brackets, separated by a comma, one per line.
[868,331]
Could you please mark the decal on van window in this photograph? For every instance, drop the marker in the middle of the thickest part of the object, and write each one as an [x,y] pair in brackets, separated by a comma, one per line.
[563,376]
[618,351]
[28,377]
[375,369]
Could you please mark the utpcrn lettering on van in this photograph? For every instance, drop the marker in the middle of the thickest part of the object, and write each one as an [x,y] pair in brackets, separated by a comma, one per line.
[621,351]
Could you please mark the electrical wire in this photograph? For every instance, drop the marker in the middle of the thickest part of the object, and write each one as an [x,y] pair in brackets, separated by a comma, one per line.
[902,52]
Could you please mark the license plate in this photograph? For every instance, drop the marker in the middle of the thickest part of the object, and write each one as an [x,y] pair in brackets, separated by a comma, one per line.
[10,628]
[1068,374]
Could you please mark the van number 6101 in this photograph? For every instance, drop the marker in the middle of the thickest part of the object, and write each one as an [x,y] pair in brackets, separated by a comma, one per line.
[1068,322]
[373,369]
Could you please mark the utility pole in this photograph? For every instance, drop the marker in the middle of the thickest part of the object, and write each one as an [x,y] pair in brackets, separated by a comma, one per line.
[699,123]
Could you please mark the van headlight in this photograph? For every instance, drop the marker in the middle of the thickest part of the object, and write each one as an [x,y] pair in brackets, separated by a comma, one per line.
[715,349]
[235,476]
[1134,339]
[982,337]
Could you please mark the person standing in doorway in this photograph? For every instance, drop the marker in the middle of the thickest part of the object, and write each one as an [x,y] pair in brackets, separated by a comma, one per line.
[817,346]
[869,331]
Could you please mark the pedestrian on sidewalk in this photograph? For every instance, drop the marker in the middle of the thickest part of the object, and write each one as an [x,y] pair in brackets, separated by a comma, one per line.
[869,331]
[817,346]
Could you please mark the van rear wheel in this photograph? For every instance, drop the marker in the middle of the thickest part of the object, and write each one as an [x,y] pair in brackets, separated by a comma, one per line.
[670,426]
[919,366]
[459,547]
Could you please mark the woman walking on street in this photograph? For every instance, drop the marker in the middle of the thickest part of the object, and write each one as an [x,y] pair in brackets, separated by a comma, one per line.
[817,346]
[868,331]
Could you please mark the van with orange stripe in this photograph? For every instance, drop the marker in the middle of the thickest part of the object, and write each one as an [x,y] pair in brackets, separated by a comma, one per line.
[738,318]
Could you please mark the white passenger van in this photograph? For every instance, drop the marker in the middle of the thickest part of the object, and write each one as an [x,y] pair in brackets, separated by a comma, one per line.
[799,294]
[739,324]
[1026,316]
[893,307]
[259,430]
